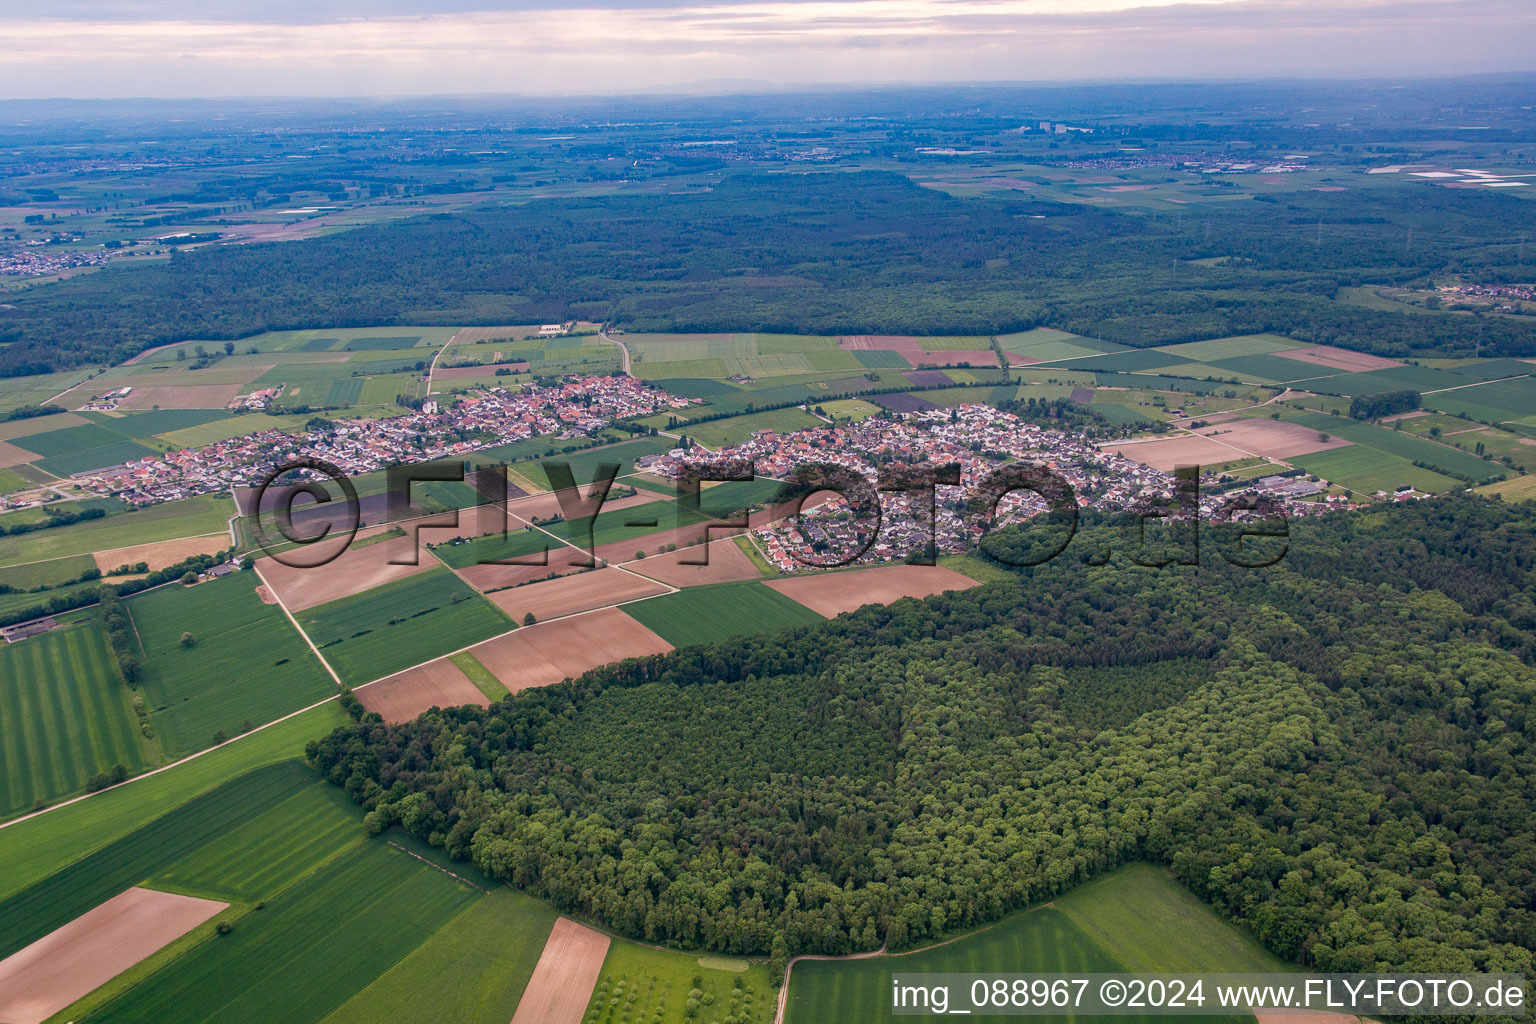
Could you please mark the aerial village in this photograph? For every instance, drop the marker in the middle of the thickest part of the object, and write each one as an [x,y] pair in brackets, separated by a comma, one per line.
[577,407]
[977,438]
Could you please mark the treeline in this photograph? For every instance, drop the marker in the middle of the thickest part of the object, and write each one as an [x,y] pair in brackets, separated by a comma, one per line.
[1370,407]
[91,595]
[1331,751]
[27,412]
[857,253]
[54,516]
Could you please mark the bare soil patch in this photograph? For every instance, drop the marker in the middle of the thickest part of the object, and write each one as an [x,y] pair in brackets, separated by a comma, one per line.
[457,372]
[951,356]
[831,593]
[354,571]
[566,974]
[405,695]
[265,596]
[551,652]
[596,588]
[160,554]
[1339,358]
[1273,439]
[562,561]
[1169,453]
[40,425]
[473,335]
[727,563]
[94,948]
[181,396]
[10,455]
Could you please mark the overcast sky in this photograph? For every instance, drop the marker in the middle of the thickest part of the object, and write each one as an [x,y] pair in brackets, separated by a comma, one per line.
[102,48]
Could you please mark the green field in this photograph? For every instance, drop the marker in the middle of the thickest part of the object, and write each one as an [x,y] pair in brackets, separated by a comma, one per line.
[324,939]
[271,850]
[1367,470]
[51,573]
[855,409]
[736,429]
[662,356]
[10,480]
[64,716]
[159,421]
[708,614]
[1229,348]
[1130,913]
[612,526]
[493,688]
[583,464]
[488,951]
[35,390]
[34,849]
[1404,445]
[1520,488]
[1136,919]
[191,517]
[370,635]
[246,664]
[639,983]
[1275,368]
[520,542]
[1492,402]
[1045,344]
[75,887]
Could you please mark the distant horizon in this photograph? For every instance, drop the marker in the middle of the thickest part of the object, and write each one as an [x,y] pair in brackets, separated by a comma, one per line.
[171,49]
[715,88]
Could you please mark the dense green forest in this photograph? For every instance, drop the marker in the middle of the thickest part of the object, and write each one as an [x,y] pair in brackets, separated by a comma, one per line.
[866,252]
[1336,751]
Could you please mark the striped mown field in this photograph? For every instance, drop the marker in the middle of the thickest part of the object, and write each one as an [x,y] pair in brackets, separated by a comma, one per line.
[64,716]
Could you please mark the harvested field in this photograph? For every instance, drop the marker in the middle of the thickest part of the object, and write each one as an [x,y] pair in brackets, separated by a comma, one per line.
[1273,439]
[13,429]
[1338,358]
[951,356]
[914,350]
[458,372]
[181,396]
[1169,453]
[727,563]
[596,588]
[567,972]
[160,554]
[929,378]
[487,578]
[437,684]
[474,335]
[354,571]
[867,342]
[10,455]
[94,948]
[832,593]
[551,652]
